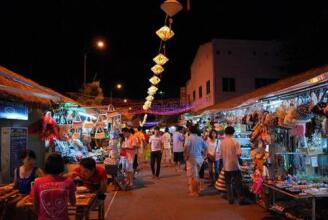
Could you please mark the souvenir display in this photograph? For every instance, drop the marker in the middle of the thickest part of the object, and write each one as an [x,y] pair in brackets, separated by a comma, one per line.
[284,144]
[77,133]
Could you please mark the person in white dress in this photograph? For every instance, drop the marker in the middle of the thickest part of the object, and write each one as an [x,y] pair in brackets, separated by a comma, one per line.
[166,139]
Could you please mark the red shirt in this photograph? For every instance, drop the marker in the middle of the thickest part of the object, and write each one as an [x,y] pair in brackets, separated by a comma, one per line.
[93,183]
[53,196]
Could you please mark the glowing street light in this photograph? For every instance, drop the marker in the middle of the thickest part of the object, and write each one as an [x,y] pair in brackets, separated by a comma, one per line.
[125,100]
[100,44]
[119,86]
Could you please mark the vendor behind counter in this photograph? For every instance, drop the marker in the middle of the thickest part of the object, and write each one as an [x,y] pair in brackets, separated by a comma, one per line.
[90,175]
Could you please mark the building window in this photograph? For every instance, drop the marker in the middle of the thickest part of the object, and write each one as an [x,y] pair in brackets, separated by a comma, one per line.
[229,52]
[266,53]
[218,52]
[200,92]
[254,53]
[260,82]
[228,85]
[194,95]
[208,87]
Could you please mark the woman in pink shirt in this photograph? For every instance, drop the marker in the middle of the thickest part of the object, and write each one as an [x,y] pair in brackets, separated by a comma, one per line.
[51,193]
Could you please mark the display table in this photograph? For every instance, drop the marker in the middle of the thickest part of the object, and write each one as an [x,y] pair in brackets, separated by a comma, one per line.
[72,166]
[6,198]
[84,203]
[313,197]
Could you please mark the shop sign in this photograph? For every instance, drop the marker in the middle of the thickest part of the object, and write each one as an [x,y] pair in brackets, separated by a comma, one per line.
[10,110]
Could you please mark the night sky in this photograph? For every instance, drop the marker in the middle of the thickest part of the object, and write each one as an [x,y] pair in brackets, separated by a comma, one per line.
[45,40]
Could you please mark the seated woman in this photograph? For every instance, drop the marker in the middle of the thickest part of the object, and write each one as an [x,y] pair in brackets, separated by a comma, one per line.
[93,177]
[25,174]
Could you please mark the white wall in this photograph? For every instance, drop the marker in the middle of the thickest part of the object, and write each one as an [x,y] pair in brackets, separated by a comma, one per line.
[202,71]
[245,60]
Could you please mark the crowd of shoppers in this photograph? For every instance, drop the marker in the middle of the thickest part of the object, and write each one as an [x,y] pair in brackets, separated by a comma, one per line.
[186,146]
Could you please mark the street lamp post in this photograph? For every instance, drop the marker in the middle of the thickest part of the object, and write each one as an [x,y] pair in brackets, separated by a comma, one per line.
[85,68]
[118,86]
[99,45]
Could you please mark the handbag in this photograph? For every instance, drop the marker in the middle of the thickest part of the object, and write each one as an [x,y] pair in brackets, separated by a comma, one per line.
[77,122]
[101,119]
[88,124]
[100,134]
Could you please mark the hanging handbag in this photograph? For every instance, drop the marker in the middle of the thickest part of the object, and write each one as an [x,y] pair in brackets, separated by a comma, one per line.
[88,124]
[100,123]
[77,121]
[100,134]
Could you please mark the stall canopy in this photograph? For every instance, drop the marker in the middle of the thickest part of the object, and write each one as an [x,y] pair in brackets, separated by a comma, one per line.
[16,87]
[312,78]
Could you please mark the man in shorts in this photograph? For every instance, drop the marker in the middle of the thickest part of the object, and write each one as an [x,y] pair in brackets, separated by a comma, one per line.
[195,149]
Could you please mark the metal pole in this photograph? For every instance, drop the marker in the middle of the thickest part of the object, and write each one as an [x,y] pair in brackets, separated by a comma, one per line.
[85,69]
[111,96]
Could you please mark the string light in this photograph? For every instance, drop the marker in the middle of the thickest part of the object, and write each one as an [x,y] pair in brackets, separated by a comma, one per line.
[160,59]
[170,7]
[157,69]
[165,33]
[150,98]
[154,80]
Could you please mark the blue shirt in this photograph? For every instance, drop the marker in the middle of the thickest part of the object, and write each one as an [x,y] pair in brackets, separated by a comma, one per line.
[196,146]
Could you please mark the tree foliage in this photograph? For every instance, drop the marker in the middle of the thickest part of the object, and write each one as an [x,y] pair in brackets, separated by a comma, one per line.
[91,94]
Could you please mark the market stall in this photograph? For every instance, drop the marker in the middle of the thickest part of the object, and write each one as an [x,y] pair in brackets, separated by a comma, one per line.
[285,126]
[78,132]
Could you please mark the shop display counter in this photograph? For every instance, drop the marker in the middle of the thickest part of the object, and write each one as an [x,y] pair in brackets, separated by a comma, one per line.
[297,196]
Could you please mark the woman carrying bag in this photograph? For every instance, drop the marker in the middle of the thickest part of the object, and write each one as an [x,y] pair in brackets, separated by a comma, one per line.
[212,157]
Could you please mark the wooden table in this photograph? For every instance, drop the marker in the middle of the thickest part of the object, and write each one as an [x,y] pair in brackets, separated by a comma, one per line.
[82,207]
[313,197]
[7,198]
[8,195]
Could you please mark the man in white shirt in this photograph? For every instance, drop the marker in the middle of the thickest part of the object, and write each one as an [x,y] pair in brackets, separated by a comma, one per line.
[178,141]
[230,153]
[166,139]
[156,145]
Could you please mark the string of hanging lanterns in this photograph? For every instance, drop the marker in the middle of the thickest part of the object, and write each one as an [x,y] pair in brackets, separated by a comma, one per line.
[165,33]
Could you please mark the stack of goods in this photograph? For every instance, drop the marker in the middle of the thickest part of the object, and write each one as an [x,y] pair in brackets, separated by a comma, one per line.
[302,187]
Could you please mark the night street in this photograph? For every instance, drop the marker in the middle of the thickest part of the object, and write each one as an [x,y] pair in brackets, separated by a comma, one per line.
[96,96]
[168,199]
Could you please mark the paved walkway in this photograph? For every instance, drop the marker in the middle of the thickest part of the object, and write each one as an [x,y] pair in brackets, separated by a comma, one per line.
[167,199]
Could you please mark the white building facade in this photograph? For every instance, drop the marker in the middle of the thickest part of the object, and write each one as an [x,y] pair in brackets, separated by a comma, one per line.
[223,69]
